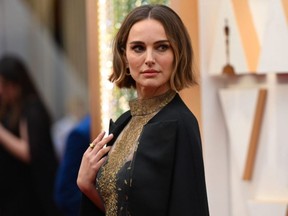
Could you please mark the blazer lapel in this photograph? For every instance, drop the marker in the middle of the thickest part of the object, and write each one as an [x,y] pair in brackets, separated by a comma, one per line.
[116,127]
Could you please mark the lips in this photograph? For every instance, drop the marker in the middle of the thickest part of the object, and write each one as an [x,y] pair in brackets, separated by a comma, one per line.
[150,71]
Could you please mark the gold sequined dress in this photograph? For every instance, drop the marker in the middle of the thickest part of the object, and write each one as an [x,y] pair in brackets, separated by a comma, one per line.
[114,179]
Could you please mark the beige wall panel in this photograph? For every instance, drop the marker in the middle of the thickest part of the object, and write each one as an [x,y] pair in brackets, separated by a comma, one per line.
[188,11]
[93,67]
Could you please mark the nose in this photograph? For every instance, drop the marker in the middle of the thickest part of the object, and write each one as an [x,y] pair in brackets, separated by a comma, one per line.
[150,60]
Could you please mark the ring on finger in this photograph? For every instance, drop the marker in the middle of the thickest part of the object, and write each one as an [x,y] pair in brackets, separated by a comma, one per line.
[92,145]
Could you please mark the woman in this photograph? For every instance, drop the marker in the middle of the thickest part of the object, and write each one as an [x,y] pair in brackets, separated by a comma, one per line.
[154,165]
[27,159]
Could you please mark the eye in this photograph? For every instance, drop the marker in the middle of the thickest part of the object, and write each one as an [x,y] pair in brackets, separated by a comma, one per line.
[163,47]
[138,48]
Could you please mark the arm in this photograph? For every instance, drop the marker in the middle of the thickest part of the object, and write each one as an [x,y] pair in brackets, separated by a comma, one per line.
[189,178]
[19,147]
[91,162]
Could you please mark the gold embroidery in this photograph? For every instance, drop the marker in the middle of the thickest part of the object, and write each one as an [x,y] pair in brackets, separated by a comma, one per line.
[126,144]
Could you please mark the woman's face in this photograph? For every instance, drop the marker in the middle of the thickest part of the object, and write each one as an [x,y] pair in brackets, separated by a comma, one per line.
[149,57]
[9,92]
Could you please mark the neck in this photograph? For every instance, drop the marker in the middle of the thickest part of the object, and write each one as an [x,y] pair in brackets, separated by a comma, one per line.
[150,93]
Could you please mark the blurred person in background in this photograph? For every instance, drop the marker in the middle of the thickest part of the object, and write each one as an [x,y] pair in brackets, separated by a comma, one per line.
[67,194]
[75,111]
[27,159]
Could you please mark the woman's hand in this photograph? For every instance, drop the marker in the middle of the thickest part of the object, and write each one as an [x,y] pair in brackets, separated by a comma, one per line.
[92,160]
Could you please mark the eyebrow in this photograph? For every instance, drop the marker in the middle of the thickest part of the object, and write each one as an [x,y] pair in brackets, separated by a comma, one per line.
[157,42]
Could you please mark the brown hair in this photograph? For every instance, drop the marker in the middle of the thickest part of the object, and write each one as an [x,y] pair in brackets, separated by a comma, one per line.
[177,34]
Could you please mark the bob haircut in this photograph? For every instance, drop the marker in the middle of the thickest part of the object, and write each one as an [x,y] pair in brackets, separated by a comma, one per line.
[177,34]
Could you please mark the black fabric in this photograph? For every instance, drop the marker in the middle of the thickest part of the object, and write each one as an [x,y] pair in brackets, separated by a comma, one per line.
[28,189]
[118,126]
[89,209]
[44,162]
[168,175]
[153,169]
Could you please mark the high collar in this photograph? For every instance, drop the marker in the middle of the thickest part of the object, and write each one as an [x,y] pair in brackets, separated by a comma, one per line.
[141,107]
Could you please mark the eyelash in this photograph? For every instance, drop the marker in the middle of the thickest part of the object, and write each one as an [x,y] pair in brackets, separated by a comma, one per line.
[140,48]
[137,48]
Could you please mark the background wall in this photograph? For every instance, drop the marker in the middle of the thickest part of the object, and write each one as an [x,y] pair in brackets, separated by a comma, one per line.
[267,191]
[58,77]
[188,10]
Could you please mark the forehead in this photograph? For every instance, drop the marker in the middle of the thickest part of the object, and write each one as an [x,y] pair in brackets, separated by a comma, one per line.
[147,29]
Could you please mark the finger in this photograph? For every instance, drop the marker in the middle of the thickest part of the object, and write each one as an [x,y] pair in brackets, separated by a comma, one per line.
[96,140]
[108,138]
[101,153]
[101,162]
[99,137]
[98,160]
[102,143]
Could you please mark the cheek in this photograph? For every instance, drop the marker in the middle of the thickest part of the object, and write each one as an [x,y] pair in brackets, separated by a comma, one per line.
[167,62]
[134,62]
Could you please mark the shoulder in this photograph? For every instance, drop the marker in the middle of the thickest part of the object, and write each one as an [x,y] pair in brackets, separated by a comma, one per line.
[177,110]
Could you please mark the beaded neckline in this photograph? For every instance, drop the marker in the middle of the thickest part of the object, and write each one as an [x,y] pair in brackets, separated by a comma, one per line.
[141,107]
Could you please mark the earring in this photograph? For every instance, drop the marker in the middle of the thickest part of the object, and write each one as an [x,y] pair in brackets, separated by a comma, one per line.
[127,73]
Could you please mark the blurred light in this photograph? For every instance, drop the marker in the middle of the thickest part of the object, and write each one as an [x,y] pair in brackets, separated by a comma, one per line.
[105,61]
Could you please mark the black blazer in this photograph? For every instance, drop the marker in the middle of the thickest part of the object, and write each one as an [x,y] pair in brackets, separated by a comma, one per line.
[168,176]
